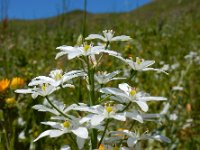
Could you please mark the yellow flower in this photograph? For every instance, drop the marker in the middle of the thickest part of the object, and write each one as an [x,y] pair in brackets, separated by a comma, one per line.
[17,83]
[4,84]
[101,147]
[10,100]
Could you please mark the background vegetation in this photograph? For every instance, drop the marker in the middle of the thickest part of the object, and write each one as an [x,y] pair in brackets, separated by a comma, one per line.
[164,30]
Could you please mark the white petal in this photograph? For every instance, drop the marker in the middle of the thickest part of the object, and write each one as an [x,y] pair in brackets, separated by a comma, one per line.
[119,116]
[34,95]
[143,105]
[114,91]
[65,48]
[124,87]
[161,138]
[154,69]
[80,142]
[40,80]
[68,85]
[147,63]
[134,116]
[24,91]
[95,36]
[59,54]
[81,132]
[152,98]
[97,119]
[65,147]
[74,54]
[86,119]
[45,109]
[131,141]
[50,133]
[52,124]
[121,38]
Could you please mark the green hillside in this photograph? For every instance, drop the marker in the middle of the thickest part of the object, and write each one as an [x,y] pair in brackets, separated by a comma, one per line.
[163,30]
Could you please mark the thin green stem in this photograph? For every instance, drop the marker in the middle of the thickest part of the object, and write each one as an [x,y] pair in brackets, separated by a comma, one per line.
[56,108]
[126,107]
[73,140]
[104,132]
[107,44]
[91,99]
[84,19]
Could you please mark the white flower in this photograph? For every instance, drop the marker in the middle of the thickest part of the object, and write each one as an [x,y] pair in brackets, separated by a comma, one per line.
[103,77]
[108,36]
[101,113]
[59,129]
[65,147]
[126,94]
[177,88]
[42,90]
[22,136]
[45,86]
[141,64]
[86,50]
[57,78]
[49,108]
[173,117]
[191,55]
[134,137]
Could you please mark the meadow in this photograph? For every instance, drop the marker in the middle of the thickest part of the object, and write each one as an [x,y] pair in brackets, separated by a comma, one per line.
[165,31]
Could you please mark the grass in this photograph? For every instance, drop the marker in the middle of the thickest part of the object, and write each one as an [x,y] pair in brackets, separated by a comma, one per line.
[162,30]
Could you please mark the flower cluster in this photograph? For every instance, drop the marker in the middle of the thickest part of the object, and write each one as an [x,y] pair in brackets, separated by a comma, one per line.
[6,88]
[103,106]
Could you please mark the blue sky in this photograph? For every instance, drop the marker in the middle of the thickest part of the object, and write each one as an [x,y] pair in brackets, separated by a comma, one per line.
[32,9]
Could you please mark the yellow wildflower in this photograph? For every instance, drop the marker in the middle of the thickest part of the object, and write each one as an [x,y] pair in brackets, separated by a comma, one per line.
[4,84]
[10,100]
[101,147]
[17,82]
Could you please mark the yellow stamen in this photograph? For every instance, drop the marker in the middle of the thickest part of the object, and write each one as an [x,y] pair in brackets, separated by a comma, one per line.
[86,47]
[58,76]
[138,60]
[109,109]
[66,124]
[44,86]
[132,92]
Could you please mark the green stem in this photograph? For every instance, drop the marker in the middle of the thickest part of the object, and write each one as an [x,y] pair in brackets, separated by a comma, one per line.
[107,44]
[104,132]
[84,18]
[73,140]
[126,107]
[6,130]
[56,108]
[91,99]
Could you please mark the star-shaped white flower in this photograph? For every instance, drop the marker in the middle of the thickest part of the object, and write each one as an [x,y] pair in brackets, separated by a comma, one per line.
[100,113]
[86,50]
[57,78]
[134,137]
[108,36]
[141,64]
[126,94]
[41,90]
[59,129]
[103,77]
